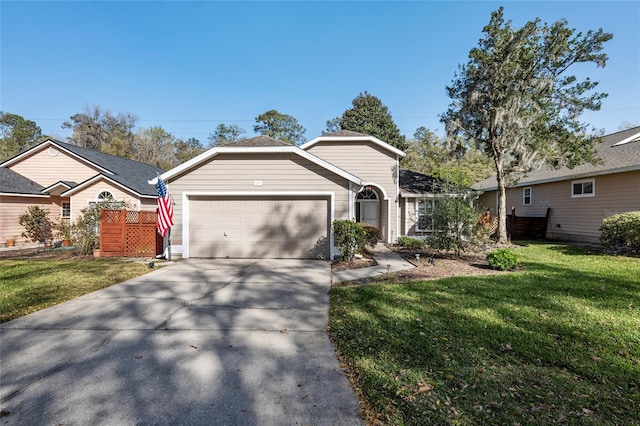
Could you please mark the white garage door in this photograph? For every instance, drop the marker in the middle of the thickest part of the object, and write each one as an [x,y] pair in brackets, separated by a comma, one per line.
[258,227]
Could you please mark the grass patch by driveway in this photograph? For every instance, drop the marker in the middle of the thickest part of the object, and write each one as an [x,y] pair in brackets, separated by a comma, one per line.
[30,285]
[558,342]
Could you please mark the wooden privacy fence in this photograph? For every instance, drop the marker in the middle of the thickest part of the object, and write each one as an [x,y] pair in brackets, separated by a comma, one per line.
[129,233]
[524,228]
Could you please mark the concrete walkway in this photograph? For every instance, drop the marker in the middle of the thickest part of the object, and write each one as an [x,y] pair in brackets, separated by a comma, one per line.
[387,261]
[224,342]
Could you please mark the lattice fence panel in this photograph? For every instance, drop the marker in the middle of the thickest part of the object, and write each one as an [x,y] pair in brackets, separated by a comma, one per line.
[111,216]
[140,242]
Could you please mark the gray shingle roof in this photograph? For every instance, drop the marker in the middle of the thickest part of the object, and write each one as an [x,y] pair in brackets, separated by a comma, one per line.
[14,183]
[418,183]
[616,159]
[261,140]
[344,133]
[129,173]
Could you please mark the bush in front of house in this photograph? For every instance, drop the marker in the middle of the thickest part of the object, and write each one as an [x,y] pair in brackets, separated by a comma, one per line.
[622,231]
[454,219]
[348,236]
[503,259]
[38,227]
[371,234]
[411,243]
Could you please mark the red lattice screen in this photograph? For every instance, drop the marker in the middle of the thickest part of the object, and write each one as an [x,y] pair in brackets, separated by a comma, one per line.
[129,233]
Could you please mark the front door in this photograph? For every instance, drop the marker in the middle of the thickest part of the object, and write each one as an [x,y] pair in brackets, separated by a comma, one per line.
[370,213]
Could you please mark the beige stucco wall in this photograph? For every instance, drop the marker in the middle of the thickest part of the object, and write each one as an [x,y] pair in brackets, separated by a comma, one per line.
[575,219]
[13,207]
[46,170]
[373,164]
[239,173]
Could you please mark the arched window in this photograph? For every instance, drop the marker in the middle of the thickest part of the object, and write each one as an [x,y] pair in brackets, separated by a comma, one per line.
[105,196]
[367,194]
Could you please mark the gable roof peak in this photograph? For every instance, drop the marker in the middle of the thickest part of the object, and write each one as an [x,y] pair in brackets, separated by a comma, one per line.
[351,136]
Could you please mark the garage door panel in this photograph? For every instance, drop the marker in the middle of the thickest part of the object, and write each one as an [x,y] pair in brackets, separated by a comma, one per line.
[265,227]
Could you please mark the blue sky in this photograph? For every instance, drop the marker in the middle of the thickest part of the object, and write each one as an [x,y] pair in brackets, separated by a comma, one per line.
[189,66]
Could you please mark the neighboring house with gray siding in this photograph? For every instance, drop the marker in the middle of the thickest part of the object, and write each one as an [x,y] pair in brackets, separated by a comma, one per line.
[261,197]
[579,198]
[63,179]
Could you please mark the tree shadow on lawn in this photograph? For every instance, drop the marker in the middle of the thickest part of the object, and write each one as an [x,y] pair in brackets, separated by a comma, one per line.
[479,341]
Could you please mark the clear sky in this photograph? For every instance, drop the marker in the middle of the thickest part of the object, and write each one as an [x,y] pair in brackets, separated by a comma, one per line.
[189,66]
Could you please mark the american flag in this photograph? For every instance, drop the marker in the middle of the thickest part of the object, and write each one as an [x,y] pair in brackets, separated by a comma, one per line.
[165,209]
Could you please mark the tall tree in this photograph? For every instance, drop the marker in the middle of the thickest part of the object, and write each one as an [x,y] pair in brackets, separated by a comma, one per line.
[17,134]
[224,135]
[156,146]
[280,126]
[99,129]
[515,99]
[428,153]
[371,117]
[333,125]
[186,150]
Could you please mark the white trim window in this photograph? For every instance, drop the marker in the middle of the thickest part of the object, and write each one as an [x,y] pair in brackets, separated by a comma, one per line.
[583,188]
[424,215]
[66,210]
[527,196]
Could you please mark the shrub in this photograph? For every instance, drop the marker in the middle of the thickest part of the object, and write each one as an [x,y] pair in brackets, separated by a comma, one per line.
[622,231]
[38,226]
[411,242]
[371,234]
[348,237]
[454,218]
[503,259]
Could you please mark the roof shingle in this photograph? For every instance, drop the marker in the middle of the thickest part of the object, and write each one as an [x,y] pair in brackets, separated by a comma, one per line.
[261,140]
[130,173]
[14,183]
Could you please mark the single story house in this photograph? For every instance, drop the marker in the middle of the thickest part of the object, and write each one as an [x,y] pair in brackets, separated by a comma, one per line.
[579,198]
[64,178]
[261,197]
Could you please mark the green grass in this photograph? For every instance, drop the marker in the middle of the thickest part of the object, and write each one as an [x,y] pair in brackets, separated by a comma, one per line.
[30,285]
[558,342]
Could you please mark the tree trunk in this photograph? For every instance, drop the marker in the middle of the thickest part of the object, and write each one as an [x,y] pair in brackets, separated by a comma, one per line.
[502,205]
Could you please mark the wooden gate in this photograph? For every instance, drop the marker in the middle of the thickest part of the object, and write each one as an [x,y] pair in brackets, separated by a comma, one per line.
[129,233]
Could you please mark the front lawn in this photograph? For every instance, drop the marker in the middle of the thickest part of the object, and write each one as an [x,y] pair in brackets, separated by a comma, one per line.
[30,285]
[558,342]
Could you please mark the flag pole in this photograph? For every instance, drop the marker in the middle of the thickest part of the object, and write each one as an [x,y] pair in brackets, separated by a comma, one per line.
[169,245]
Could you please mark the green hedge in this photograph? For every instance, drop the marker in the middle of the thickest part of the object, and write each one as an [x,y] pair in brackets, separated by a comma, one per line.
[622,231]
[411,242]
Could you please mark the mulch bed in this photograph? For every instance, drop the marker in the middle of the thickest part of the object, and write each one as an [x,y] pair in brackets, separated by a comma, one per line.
[434,265]
[366,261]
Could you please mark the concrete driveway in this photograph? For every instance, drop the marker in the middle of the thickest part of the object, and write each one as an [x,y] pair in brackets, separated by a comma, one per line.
[230,342]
